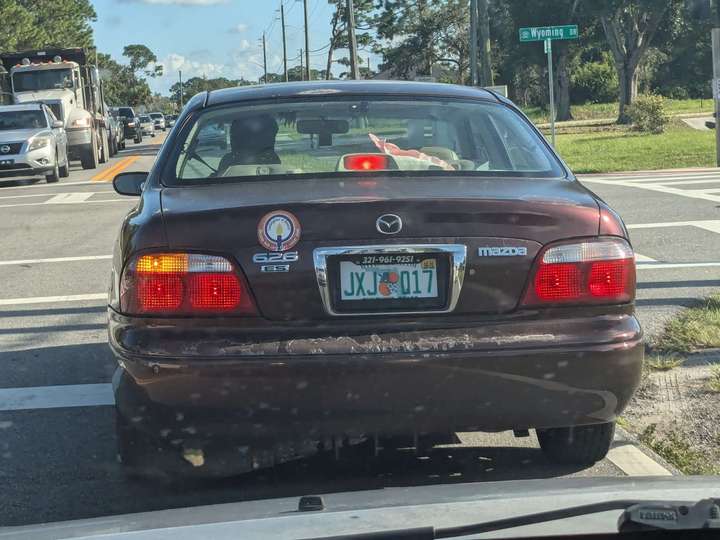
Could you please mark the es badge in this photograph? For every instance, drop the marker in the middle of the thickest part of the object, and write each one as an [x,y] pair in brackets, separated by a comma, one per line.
[278,231]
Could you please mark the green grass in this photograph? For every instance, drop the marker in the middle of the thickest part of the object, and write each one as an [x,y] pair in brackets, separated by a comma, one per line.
[675,448]
[596,111]
[610,151]
[661,362]
[714,382]
[695,328]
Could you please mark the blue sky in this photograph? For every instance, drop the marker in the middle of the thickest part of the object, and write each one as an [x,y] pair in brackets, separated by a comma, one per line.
[212,37]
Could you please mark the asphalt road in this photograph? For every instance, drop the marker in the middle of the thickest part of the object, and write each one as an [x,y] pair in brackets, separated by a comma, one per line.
[57,448]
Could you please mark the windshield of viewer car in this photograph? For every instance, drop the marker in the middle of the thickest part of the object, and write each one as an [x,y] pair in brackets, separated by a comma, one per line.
[21,120]
[351,136]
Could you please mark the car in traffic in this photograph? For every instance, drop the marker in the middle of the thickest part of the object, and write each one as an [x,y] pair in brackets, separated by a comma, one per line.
[131,122]
[397,263]
[170,119]
[159,119]
[33,142]
[117,130]
[147,124]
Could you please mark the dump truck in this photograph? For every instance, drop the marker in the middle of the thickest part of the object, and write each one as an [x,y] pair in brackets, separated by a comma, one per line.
[65,81]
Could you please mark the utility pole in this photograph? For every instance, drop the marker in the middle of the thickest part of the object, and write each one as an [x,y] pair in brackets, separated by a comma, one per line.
[486,76]
[264,59]
[716,87]
[282,20]
[352,41]
[302,69]
[307,43]
[181,89]
[473,43]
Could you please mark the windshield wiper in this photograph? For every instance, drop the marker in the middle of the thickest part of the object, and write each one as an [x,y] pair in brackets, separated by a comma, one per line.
[637,516]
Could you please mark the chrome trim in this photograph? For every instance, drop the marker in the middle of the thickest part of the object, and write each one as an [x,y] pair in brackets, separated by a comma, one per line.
[458,253]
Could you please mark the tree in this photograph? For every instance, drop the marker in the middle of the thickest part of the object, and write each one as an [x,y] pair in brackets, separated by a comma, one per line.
[20,31]
[141,58]
[195,85]
[485,48]
[416,34]
[630,26]
[58,23]
[121,85]
[338,29]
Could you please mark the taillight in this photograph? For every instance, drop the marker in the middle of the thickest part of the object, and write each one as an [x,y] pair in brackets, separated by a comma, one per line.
[183,284]
[367,162]
[598,271]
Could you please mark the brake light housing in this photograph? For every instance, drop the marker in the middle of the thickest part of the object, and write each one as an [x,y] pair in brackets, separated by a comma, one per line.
[592,271]
[184,284]
[368,162]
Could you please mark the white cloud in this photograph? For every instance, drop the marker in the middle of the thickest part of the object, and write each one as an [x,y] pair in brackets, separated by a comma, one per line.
[173,63]
[238,28]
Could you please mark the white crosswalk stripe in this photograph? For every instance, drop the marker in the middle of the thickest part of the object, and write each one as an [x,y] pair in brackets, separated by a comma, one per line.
[680,184]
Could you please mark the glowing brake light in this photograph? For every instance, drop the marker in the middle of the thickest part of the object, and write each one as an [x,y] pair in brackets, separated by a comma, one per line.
[367,162]
[600,271]
[184,284]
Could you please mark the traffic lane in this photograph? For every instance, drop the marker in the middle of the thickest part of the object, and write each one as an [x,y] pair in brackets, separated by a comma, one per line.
[148,148]
[637,205]
[60,230]
[687,244]
[61,464]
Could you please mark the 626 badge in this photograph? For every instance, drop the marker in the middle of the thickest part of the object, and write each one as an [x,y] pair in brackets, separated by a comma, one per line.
[278,231]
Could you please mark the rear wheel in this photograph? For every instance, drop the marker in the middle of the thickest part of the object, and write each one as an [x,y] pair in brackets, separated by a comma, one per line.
[89,155]
[579,445]
[138,138]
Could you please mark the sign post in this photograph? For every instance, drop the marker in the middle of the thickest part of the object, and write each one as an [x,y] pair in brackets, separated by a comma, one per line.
[716,88]
[547,34]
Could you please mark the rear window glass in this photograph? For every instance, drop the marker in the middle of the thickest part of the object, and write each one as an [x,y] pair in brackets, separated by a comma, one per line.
[343,137]
[126,112]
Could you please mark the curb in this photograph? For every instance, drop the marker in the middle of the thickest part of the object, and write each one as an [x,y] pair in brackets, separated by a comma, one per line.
[624,436]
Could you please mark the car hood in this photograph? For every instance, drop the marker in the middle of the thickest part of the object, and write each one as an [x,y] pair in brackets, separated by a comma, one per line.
[17,135]
[387,509]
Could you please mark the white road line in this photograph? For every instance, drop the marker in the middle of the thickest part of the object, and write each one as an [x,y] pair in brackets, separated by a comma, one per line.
[44,185]
[64,198]
[643,259]
[124,199]
[648,178]
[691,194]
[671,266]
[675,181]
[633,462]
[55,397]
[52,299]
[704,223]
[56,260]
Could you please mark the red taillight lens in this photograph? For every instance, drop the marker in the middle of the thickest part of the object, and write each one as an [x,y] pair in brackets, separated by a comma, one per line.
[558,282]
[366,162]
[183,284]
[591,272]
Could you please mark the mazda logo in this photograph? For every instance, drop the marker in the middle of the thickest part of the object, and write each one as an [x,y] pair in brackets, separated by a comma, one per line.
[389,224]
[4,149]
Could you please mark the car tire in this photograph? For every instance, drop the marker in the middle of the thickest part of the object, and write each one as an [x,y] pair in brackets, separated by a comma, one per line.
[579,445]
[89,155]
[103,157]
[138,139]
[65,169]
[55,175]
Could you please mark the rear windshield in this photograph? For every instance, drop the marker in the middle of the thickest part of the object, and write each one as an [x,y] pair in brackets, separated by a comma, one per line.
[144,118]
[156,115]
[343,137]
[22,120]
[126,112]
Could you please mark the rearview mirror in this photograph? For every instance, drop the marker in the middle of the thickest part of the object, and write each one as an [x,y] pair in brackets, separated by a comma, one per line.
[309,127]
[130,183]
[57,124]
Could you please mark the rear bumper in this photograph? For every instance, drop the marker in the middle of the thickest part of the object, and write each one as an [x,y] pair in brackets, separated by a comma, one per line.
[175,381]
[78,138]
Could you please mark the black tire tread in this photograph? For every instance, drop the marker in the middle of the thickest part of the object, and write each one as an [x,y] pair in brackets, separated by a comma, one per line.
[579,445]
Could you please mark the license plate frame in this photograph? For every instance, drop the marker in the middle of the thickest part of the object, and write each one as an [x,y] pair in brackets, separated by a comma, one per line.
[384,305]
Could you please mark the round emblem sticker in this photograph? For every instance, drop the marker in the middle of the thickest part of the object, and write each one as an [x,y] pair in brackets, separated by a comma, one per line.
[278,231]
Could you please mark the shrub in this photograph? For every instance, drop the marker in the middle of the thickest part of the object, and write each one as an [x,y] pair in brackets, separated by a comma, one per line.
[648,114]
[676,92]
[594,82]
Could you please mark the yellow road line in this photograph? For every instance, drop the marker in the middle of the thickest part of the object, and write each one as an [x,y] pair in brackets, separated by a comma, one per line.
[108,174]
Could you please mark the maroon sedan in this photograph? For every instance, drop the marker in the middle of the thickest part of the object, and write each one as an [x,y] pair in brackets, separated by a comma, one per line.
[317,265]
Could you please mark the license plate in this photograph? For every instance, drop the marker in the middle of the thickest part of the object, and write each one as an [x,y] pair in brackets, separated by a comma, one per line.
[7,162]
[389,277]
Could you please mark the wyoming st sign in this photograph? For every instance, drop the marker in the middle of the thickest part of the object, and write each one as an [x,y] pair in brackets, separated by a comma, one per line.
[542,33]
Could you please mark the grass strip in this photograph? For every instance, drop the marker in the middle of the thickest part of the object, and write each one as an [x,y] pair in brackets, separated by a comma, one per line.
[695,328]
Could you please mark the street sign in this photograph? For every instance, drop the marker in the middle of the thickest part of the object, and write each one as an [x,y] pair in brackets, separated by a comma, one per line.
[541,33]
